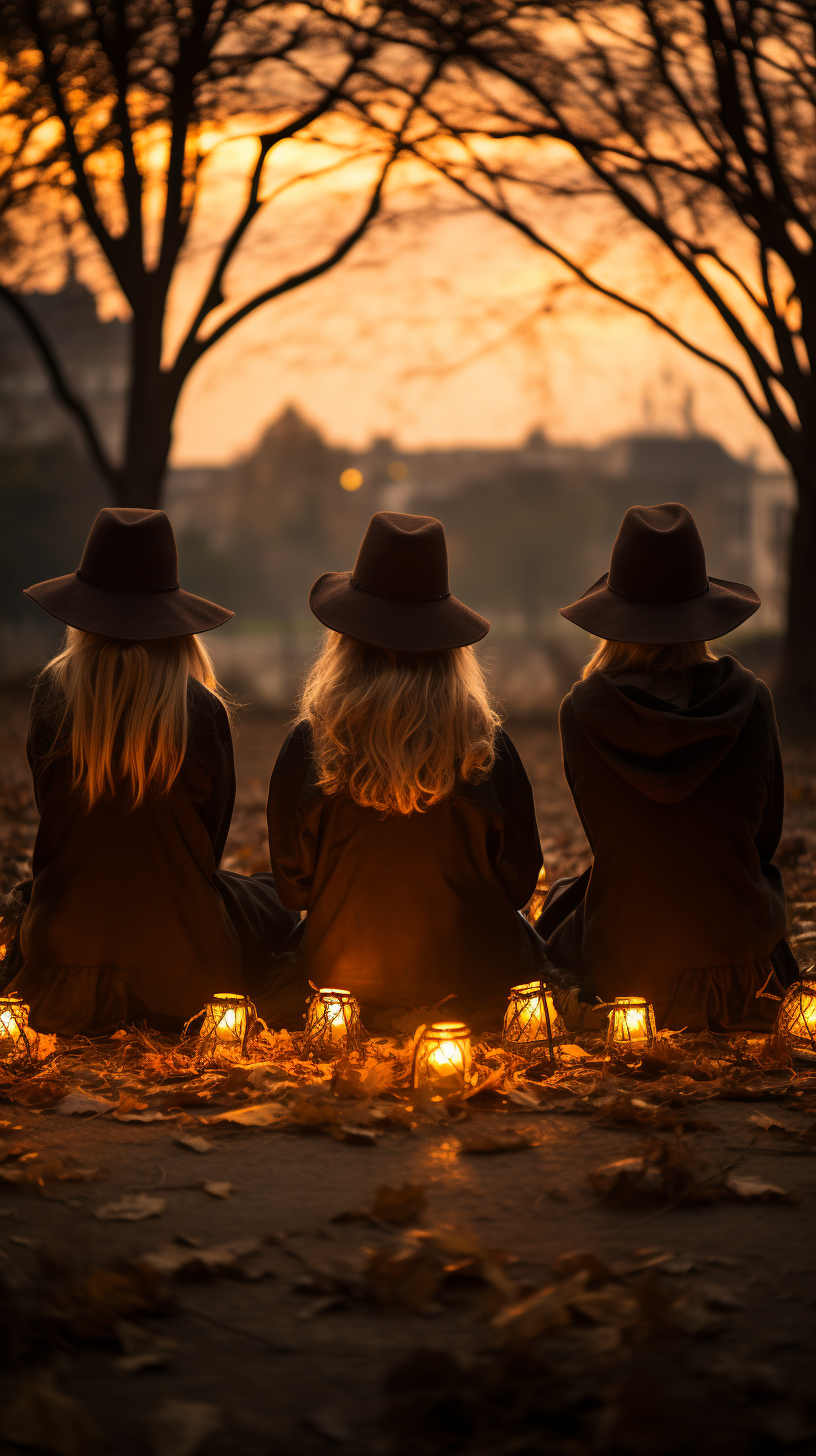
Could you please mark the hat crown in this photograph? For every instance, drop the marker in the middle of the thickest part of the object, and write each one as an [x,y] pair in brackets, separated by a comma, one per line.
[403,558]
[130,550]
[658,555]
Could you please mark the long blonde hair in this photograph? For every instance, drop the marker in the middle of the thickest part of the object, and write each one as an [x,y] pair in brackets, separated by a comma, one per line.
[123,709]
[396,729]
[614,657]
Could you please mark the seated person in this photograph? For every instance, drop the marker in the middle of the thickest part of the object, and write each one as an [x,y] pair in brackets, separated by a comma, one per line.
[673,760]
[128,915]
[400,815]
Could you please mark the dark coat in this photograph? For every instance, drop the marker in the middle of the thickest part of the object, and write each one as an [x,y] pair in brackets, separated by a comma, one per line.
[683,811]
[129,914]
[405,909]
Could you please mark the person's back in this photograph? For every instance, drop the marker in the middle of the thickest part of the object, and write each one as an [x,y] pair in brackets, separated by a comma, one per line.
[127,915]
[673,760]
[400,816]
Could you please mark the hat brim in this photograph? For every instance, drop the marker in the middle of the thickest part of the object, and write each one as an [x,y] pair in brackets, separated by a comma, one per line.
[401,626]
[132,616]
[704,618]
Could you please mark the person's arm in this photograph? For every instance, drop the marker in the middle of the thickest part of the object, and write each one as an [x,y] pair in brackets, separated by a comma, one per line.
[292,834]
[569,726]
[218,813]
[44,720]
[519,858]
[770,830]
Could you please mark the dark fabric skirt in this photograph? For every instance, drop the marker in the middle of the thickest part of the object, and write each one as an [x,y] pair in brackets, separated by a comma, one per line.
[76,1000]
[721,998]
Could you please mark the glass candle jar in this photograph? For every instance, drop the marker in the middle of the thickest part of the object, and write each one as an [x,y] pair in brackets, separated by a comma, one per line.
[333,1021]
[442,1057]
[228,1020]
[529,1021]
[631,1024]
[796,1020]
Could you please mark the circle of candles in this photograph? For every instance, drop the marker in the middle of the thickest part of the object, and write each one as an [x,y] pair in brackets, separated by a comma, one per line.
[796,1019]
[228,1020]
[333,1020]
[14,1021]
[529,1020]
[631,1024]
[442,1057]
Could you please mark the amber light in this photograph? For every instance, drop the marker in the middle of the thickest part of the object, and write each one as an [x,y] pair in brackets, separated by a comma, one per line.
[333,1021]
[796,1021]
[228,1020]
[14,1021]
[530,1020]
[442,1057]
[631,1024]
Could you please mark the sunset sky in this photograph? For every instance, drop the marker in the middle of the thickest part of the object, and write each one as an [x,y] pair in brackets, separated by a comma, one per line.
[440,327]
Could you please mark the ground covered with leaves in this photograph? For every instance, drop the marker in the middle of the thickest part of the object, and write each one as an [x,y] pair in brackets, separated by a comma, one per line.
[286,1256]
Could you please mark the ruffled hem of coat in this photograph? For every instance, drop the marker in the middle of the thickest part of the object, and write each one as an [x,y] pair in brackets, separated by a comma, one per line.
[727,999]
[74,1000]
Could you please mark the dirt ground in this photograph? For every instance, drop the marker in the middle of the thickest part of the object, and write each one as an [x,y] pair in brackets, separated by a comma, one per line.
[290,1309]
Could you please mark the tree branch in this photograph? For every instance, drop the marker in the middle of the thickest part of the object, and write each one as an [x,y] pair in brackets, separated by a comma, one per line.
[60,384]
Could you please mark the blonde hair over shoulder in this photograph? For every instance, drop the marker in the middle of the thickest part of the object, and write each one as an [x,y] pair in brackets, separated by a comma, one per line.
[397,729]
[614,657]
[123,707]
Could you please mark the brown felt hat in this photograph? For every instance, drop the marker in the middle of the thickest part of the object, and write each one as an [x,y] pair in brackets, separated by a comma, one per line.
[397,596]
[657,588]
[126,584]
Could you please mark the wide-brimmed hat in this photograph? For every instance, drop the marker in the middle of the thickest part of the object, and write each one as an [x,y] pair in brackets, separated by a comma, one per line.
[127,582]
[398,596]
[657,588]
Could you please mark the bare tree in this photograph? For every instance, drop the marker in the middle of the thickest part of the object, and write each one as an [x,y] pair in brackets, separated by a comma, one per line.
[95,90]
[695,120]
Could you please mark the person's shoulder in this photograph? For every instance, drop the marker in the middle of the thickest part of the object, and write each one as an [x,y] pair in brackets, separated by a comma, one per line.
[298,745]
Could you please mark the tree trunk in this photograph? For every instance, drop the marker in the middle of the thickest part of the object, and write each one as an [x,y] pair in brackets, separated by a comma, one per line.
[153,397]
[796,691]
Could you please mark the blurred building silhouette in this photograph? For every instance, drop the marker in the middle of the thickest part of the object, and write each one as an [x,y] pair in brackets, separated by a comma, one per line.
[528,528]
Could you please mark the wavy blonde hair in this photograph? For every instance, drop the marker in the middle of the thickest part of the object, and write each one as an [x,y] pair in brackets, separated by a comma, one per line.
[613,657]
[397,729]
[124,709]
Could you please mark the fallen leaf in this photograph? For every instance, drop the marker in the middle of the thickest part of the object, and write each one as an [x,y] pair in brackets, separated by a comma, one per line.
[496,1142]
[194,1143]
[199,1266]
[40,1418]
[181,1427]
[78,1103]
[154,1116]
[257,1114]
[547,1309]
[665,1172]
[750,1188]
[399,1206]
[132,1208]
[218,1190]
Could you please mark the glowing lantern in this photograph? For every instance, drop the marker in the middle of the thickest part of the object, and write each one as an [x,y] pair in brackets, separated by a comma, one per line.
[530,1020]
[333,1021]
[631,1024]
[796,1021]
[14,1030]
[228,1021]
[442,1057]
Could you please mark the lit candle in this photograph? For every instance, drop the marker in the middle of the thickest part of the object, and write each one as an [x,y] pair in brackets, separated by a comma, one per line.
[333,1020]
[227,1019]
[13,1019]
[796,1021]
[631,1024]
[442,1057]
[529,1019]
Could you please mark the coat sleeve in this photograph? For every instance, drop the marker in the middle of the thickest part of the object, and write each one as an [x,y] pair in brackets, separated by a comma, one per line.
[292,833]
[568,726]
[44,721]
[770,830]
[519,859]
[210,742]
